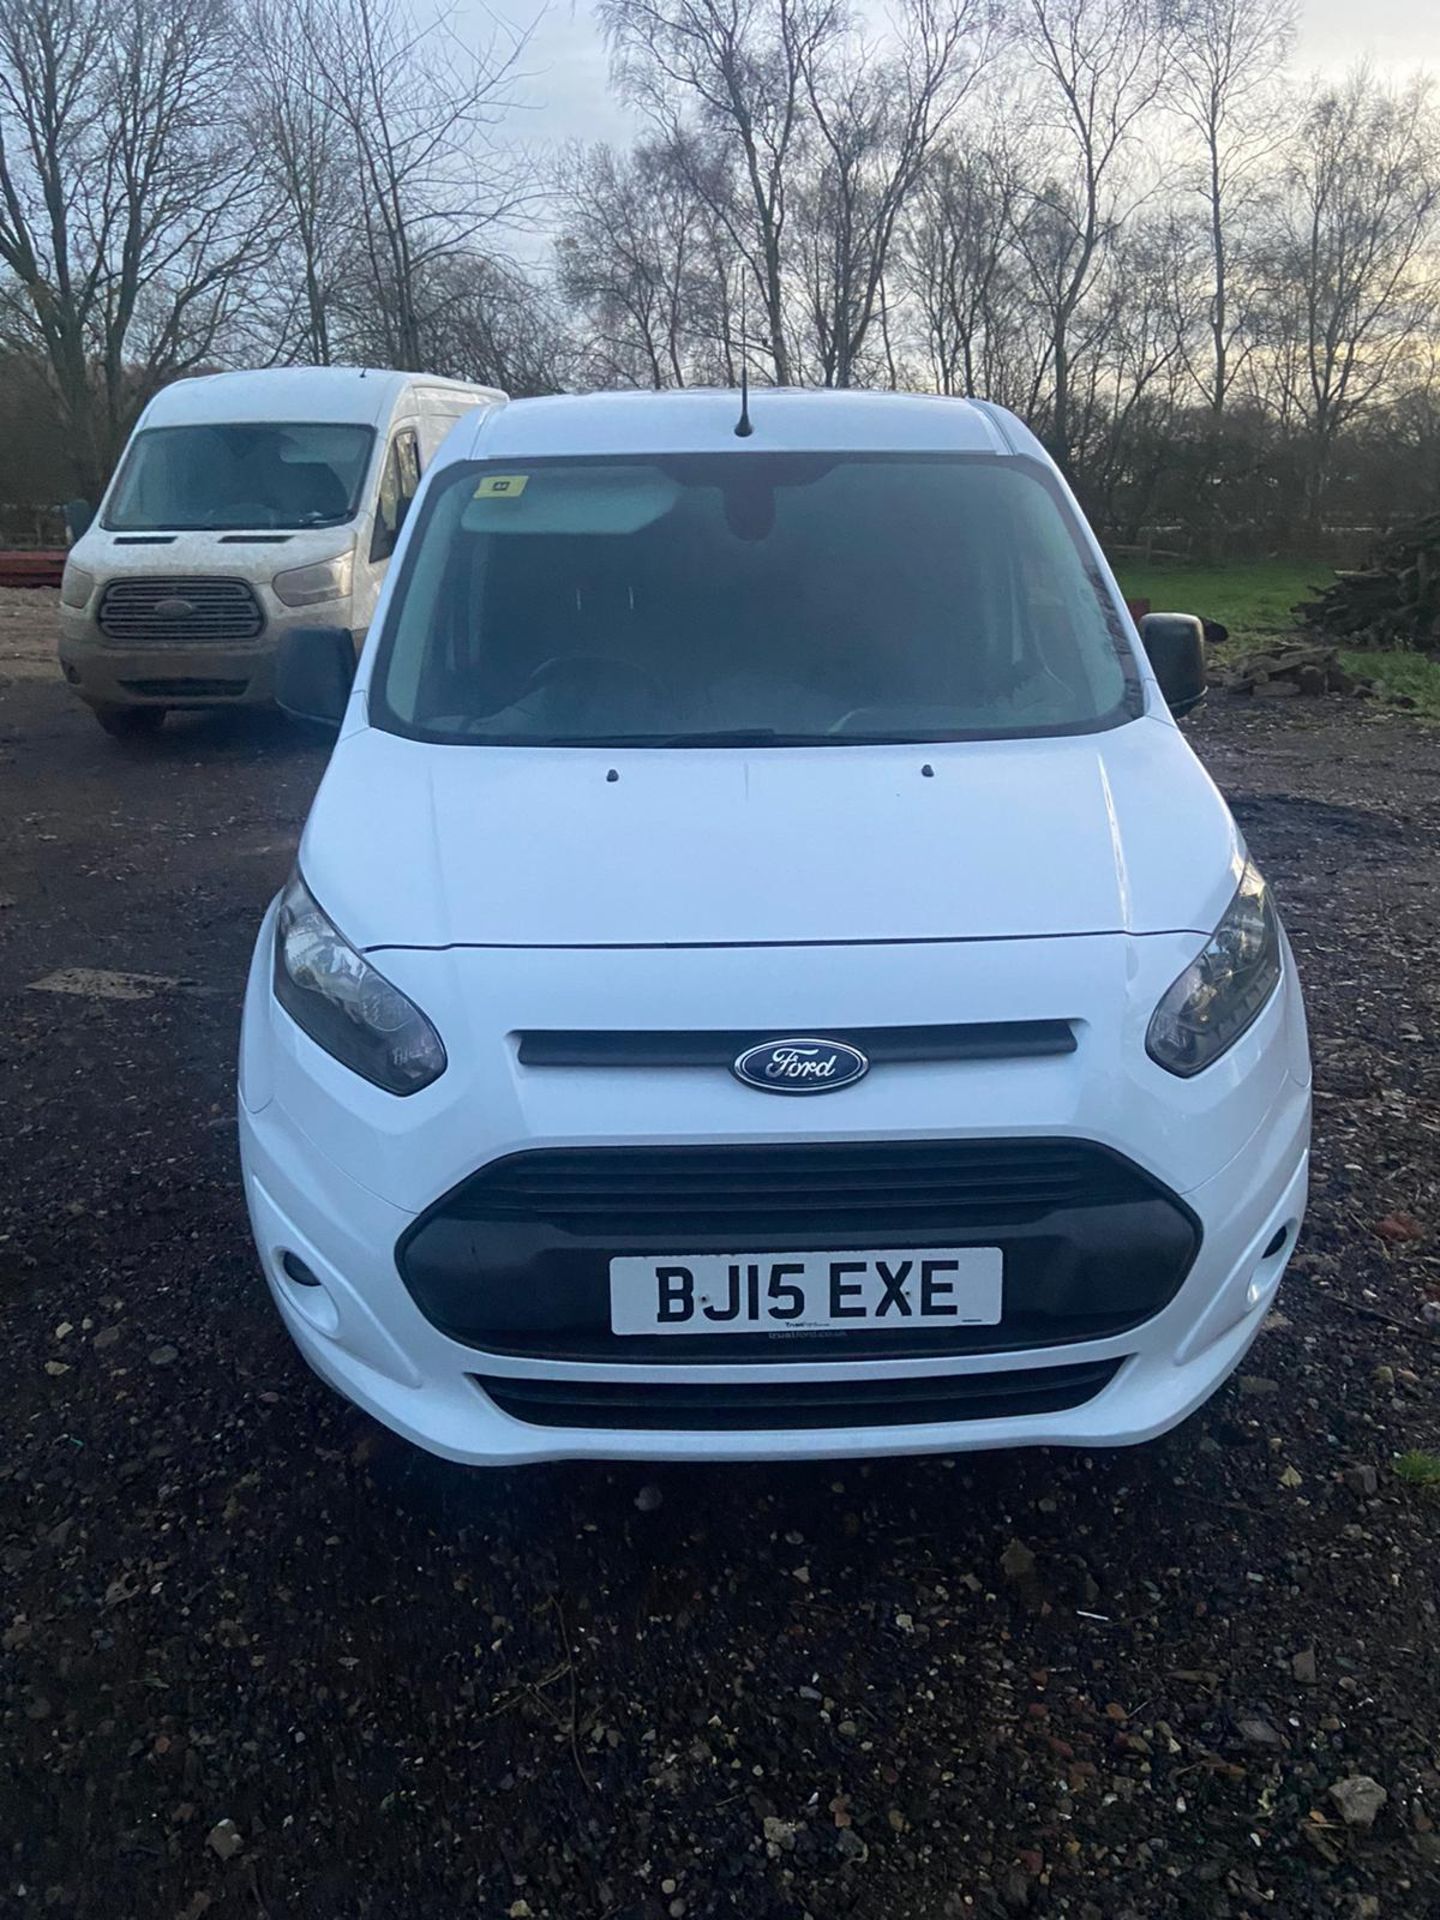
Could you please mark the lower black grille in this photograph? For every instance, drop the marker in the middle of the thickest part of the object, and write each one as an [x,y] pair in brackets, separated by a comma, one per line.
[698,1407]
[190,689]
[767,1190]
[180,612]
[516,1259]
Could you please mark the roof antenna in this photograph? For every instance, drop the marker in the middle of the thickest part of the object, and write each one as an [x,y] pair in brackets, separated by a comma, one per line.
[743,428]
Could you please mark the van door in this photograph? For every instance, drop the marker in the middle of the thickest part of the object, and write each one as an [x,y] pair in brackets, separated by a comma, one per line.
[399,481]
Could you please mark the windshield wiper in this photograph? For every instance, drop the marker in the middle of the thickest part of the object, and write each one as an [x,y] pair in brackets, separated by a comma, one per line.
[718,737]
[727,737]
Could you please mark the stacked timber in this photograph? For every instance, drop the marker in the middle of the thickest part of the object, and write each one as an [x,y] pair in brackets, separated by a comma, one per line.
[1393,601]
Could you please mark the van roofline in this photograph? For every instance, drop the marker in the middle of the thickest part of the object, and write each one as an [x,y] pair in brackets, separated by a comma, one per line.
[362,396]
[785,419]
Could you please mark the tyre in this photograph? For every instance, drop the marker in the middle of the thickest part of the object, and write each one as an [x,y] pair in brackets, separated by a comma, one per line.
[130,723]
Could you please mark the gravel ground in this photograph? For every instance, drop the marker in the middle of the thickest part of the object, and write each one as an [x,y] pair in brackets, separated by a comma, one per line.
[262,1660]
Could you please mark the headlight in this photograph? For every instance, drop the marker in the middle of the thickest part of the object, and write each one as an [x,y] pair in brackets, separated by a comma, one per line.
[308,586]
[76,586]
[344,1005]
[1224,987]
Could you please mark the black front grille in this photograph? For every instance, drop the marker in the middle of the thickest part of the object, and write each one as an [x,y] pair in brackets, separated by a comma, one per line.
[516,1258]
[706,1407]
[180,612]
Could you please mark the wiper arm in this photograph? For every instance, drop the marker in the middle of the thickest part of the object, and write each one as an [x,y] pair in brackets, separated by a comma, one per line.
[725,737]
[717,737]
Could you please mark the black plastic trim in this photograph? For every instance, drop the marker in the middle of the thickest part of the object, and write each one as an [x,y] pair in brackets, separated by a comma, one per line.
[978,1040]
[190,689]
[766,1405]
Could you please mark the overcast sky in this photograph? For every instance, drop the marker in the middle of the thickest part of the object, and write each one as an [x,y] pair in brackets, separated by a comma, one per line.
[570,98]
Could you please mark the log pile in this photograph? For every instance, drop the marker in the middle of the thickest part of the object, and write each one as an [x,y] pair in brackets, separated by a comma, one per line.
[1290,667]
[1393,601]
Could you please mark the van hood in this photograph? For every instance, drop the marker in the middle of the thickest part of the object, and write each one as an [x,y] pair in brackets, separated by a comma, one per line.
[251,552]
[433,846]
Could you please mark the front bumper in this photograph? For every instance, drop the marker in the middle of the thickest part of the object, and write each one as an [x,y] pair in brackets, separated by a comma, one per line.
[161,671]
[340,1176]
[360,1330]
[107,675]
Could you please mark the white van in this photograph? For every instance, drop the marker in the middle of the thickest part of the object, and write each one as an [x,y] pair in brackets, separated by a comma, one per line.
[688,767]
[246,503]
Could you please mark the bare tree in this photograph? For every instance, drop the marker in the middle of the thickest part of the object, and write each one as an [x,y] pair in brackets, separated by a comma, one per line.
[419,112]
[1130,367]
[1222,83]
[127,207]
[739,67]
[958,266]
[877,116]
[302,148]
[1099,65]
[487,319]
[1354,289]
[638,256]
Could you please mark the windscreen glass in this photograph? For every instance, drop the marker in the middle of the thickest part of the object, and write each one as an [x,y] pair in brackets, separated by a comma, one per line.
[780,599]
[256,475]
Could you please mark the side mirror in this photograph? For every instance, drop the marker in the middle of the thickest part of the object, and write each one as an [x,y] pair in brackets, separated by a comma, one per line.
[1175,644]
[314,672]
[77,515]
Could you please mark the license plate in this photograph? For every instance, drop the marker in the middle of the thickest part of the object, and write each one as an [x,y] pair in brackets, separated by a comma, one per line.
[926,1287]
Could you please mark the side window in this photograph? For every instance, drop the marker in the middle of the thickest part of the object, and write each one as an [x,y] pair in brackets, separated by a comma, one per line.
[398,482]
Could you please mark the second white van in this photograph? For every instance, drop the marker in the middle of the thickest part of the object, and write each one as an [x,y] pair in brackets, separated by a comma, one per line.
[244,504]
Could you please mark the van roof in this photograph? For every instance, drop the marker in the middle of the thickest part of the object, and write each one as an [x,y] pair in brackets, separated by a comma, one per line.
[784,419]
[364,395]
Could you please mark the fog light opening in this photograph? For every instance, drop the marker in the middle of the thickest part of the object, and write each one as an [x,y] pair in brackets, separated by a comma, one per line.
[295,1269]
[305,1293]
[1268,1268]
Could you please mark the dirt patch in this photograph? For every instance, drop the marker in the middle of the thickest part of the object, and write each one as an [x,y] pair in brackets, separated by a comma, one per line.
[28,634]
[260,1659]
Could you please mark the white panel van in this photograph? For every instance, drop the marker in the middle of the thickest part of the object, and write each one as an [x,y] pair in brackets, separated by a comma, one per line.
[245,504]
[700,756]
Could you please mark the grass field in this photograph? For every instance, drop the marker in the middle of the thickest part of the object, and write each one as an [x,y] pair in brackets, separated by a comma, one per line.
[1251,599]
[1255,600]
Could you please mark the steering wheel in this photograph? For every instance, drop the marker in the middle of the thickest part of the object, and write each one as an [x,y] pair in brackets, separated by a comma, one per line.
[584,666]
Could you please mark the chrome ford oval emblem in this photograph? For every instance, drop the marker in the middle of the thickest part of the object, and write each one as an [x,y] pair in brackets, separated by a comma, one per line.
[173,607]
[801,1066]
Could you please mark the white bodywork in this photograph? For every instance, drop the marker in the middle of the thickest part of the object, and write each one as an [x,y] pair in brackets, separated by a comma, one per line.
[506,890]
[389,404]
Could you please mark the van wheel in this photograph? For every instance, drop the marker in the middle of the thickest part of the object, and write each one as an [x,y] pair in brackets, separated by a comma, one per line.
[130,723]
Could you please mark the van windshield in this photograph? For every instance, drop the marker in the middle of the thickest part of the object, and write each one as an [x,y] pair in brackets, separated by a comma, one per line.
[226,476]
[749,599]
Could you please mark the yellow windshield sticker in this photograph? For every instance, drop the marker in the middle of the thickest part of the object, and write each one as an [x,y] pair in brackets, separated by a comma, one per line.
[501,486]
